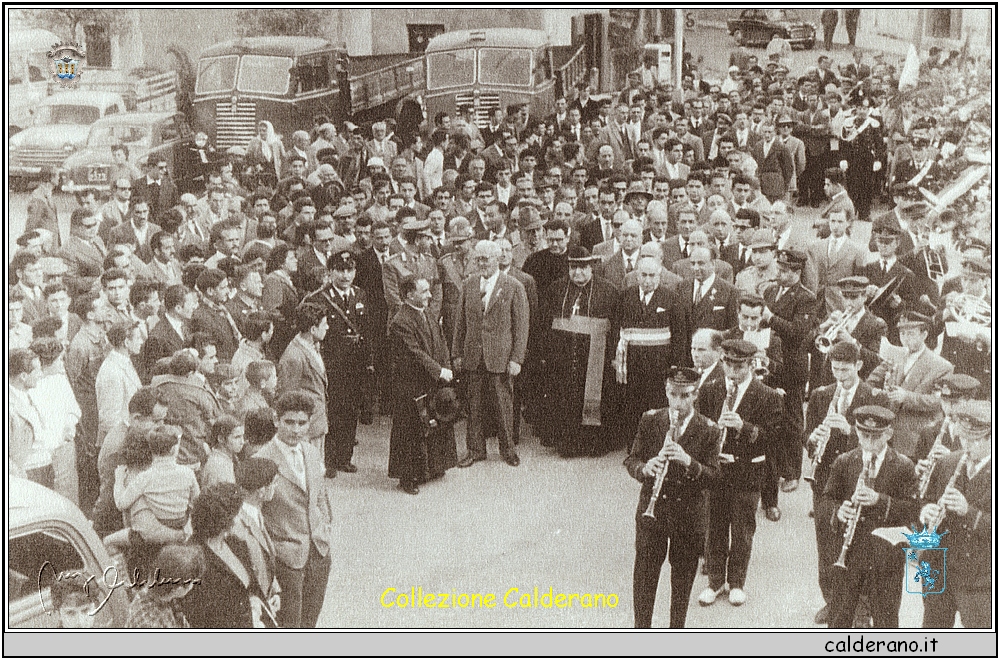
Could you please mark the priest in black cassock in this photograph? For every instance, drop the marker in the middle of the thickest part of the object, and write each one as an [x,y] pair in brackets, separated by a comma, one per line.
[580,317]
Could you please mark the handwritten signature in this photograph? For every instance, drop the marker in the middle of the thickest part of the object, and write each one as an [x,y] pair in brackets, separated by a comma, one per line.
[110,579]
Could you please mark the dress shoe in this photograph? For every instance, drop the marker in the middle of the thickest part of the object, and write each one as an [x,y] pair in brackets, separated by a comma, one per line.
[789,485]
[512,460]
[409,487]
[737,596]
[773,513]
[469,460]
[823,616]
[350,468]
[708,596]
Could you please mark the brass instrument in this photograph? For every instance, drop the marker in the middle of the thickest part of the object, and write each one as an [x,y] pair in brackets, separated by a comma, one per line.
[838,321]
[951,484]
[852,526]
[886,291]
[925,478]
[761,365]
[935,267]
[662,474]
[824,437]
[967,308]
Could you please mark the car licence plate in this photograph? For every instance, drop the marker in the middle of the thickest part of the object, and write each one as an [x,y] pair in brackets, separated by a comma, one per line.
[95,175]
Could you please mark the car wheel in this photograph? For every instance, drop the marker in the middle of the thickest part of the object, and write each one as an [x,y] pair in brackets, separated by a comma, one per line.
[739,37]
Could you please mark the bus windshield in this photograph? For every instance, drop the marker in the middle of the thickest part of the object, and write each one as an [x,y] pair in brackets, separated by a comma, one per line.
[216,74]
[264,74]
[451,68]
[505,66]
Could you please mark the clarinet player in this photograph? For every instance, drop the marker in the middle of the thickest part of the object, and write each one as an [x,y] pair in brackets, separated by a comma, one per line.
[675,455]
[870,486]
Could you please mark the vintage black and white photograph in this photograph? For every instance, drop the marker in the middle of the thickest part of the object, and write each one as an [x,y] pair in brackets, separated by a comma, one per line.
[502,317]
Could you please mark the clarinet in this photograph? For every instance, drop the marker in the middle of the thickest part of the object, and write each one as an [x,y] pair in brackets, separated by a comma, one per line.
[825,437]
[925,478]
[662,474]
[951,484]
[852,526]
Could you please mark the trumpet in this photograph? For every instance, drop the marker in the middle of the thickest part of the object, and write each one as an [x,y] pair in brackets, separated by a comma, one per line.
[761,365]
[837,321]
[951,484]
[852,526]
[662,474]
[925,478]
[824,433]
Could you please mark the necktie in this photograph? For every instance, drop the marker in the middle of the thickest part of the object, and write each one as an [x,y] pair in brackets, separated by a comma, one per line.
[731,391]
[299,464]
[697,291]
[628,265]
[870,468]
[482,293]
[781,291]
[885,267]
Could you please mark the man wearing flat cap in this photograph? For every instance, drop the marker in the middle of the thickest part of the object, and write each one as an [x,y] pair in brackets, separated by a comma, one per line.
[829,433]
[791,313]
[908,379]
[968,320]
[682,446]
[968,517]
[873,483]
[579,315]
[348,357]
[752,418]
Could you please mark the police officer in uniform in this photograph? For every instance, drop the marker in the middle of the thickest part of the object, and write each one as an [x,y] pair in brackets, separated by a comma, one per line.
[347,353]
[685,443]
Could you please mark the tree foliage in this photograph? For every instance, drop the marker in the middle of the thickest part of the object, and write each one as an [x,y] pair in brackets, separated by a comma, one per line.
[286,22]
[68,21]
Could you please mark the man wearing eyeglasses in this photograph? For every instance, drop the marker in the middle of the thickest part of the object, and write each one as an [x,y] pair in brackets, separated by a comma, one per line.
[157,187]
[116,209]
[84,251]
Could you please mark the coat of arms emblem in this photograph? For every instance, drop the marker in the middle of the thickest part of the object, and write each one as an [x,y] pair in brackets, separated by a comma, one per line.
[926,562]
[66,63]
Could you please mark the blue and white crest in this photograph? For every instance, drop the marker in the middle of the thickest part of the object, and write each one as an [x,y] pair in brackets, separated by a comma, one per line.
[66,63]
[926,563]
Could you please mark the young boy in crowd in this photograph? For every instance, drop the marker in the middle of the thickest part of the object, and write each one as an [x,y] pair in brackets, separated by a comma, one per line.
[262,378]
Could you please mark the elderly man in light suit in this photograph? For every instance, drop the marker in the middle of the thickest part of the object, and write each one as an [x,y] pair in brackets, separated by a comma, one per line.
[491,338]
[908,380]
[298,517]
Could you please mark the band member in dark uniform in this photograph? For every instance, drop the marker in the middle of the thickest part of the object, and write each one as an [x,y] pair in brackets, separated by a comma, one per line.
[642,358]
[968,518]
[938,438]
[865,152]
[902,291]
[347,353]
[791,313]
[752,417]
[685,444]
[580,388]
[854,323]
[829,434]
[968,344]
[875,482]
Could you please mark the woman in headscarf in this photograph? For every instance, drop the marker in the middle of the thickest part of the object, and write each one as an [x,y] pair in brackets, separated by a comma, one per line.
[266,150]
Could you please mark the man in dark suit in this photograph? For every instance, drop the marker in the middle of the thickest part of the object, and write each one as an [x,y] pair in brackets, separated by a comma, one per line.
[904,292]
[751,416]
[491,340]
[526,383]
[347,355]
[373,238]
[136,225]
[298,517]
[829,433]
[791,313]
[703,302]
[775,168]
[171,334]
[157,188]
[939,438]
[679,448]
[643,355]
[874,484]
[212,317]
[856,324]
[624,260]
[968,511]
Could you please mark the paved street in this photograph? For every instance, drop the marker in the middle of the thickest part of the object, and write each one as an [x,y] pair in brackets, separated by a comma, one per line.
[552,522]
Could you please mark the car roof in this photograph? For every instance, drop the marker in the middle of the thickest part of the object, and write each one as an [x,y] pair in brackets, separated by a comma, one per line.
[30,502]
[280,46]
[82,97]
[136,118]
[493,37]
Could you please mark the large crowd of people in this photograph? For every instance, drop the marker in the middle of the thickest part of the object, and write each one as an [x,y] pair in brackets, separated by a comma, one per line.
[668,271]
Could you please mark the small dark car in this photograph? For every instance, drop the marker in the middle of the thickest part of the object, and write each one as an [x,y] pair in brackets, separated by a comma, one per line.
[756,27]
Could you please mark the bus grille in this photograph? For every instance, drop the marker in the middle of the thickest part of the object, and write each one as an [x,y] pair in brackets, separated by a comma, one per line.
[487,104]
[235,129]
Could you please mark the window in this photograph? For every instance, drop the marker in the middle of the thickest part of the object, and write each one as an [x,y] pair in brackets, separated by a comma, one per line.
[264,74]
[216,74]
[27,555]
[98,41]
[419,34]
[451,68]
[169,131]
[109,134]
[503,66]
[313,73]
[67,114]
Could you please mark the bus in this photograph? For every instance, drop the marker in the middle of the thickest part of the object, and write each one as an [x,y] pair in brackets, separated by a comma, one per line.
[494,68]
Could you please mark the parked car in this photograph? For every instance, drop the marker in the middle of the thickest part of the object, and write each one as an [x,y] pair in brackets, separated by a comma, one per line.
[146,134]
[60,125]
[756,27]
[46,527]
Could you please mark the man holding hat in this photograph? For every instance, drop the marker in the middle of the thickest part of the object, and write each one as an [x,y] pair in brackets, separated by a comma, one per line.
[790,312]
[416,238]
[940,438]
[908,380]
[685,444]
[578,318]
[829,434]
[968,345]
[874,483]
[347,354]
[968,507]
[751,417]
[856,324]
